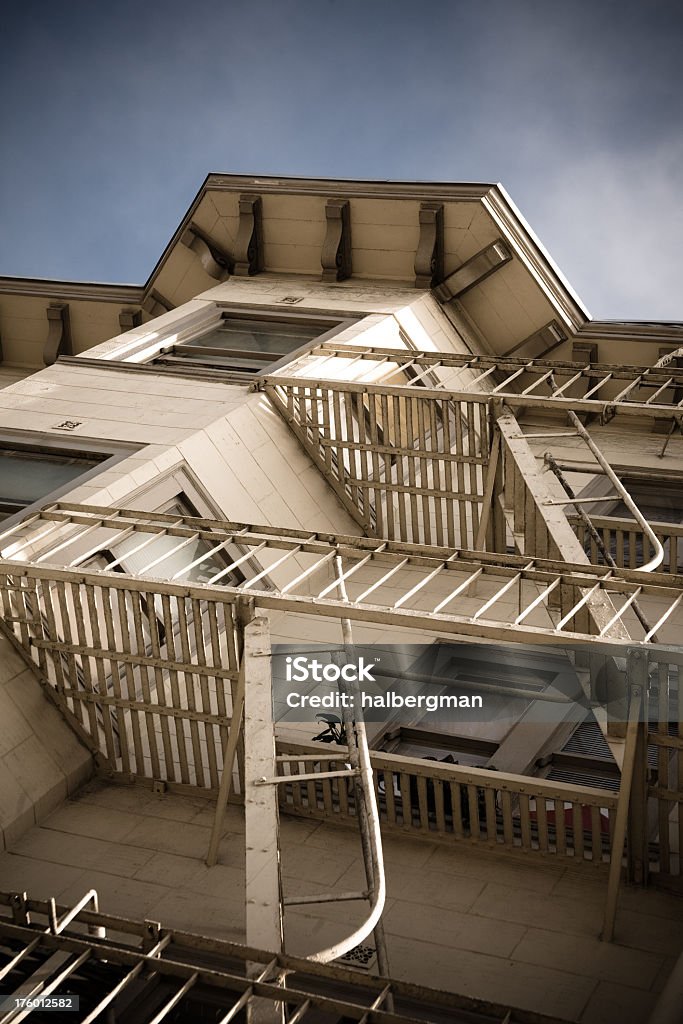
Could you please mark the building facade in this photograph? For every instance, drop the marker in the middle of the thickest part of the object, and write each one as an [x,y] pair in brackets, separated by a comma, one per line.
[343,413]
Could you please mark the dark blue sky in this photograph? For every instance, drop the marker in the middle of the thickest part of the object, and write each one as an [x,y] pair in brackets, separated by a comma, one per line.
[113,113]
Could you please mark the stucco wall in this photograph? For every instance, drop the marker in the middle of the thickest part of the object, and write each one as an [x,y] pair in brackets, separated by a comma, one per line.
[42,761]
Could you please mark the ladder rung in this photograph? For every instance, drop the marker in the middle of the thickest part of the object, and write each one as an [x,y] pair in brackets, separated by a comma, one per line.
[554,433]
[328,897]
[582,501]
[287,758]
[309,777]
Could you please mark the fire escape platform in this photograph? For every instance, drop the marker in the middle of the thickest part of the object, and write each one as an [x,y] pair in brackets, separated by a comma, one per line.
[459,919]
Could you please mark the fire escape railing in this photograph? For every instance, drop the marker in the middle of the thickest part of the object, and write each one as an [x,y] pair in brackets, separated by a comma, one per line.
[440,589]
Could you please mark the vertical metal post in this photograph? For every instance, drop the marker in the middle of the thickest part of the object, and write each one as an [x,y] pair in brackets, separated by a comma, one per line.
[359,757]
[628,793]
[638,859]
[489,488]
[263,888]
[497,503]
[245,613]
[226,777]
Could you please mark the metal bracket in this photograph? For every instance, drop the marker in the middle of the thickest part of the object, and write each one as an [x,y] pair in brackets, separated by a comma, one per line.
[19,904]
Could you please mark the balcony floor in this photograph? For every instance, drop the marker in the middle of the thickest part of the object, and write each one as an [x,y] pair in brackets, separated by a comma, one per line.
[508,929]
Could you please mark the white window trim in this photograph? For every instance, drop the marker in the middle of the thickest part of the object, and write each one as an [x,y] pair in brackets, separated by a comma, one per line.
[116,452]
[199,322]
[176,483]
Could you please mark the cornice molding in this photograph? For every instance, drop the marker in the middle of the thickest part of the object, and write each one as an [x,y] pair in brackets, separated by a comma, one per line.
[157,304]
[327,188]
[217,263]
[569,309]
[473,271]
[58,339]
[249,241]
[634,330]
[567,305]
[428,264]
[71,290]
[337,188]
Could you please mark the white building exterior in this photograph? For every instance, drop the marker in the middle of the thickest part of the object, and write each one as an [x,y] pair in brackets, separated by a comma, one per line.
[363,378]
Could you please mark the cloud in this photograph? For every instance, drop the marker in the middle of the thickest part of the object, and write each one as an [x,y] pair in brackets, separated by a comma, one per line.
[575,108]
[614,221]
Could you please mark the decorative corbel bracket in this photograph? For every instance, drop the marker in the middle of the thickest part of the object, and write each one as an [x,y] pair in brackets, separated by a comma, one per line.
[429,254]
[216,261]
[129,318]
[59,333]
[249,244]
[156,304]
[584,352]
[540,343]
[474,271]
[336,252]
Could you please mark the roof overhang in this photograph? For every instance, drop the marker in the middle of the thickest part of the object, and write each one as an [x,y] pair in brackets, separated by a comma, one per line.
[392,231]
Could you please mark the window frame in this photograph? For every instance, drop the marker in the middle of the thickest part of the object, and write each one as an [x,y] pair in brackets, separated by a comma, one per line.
[331,324]
[635,479]
[110,452]
[175,485]
[513,751]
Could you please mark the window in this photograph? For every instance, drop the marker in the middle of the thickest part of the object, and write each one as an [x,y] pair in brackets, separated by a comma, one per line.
[657,502]
[584,760]
[249,343]
[30,473]
[147,625]
[516,727]
[660,502]
[163,556]
[415,741]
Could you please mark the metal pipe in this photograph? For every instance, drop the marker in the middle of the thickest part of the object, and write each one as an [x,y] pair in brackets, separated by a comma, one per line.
[368,820]
[597,539]
[621,822]
[626,497]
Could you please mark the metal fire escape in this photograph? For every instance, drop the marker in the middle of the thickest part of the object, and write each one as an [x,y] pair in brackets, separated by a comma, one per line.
[430,460]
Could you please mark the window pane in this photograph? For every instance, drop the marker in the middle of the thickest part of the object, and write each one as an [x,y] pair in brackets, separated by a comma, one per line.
[245,344]
[172,562]
[27,476]
[257,336]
